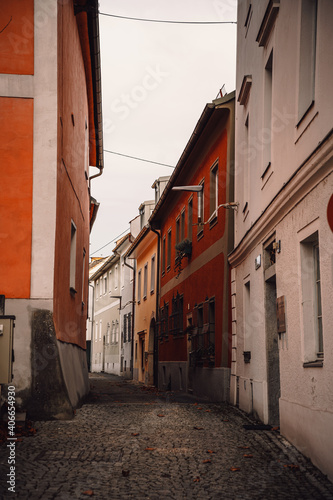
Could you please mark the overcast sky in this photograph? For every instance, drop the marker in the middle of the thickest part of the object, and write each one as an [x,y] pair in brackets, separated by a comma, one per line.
[157,79]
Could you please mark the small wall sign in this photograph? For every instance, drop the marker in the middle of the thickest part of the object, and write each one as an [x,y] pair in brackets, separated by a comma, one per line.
[281,314]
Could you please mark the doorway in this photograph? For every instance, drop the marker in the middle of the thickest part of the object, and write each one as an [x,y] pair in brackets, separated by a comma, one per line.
[272,342]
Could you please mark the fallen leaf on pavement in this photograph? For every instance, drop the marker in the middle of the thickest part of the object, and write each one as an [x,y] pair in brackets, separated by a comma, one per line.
[161,415]
[150,449]
[248,456]
[207,461]
[135,433]
[199,408]
[88,492]
[225,420]
[198,428]
[244,447]
[234,469]
[210,451]
[207,411]
[196,480]
[292,466]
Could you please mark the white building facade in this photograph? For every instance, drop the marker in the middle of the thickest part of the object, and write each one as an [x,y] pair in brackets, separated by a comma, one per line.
[282,276]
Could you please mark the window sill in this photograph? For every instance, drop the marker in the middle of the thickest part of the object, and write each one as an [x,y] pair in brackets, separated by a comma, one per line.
[314,364]
[304,114]
[152,292]
[72,291]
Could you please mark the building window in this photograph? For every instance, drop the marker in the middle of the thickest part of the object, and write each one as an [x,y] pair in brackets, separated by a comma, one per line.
[201,212]
[116,277]
[267,130]
[182,225]
[122,275]
[177,230]
[213,193]
[145,281]
[247,318]
[101,287]
[307,62]
[169,250]
[190,219]
[96,288]
[96,331]
[125,328]
[110,281]
[72,268]
[105,283]
[100,330]
[163,323]
[152,275]
[113,333]
[129,326]
[163,255]
[83,275]
[176,317]
[108,333]
[117,332]
[139,286]
[311,299]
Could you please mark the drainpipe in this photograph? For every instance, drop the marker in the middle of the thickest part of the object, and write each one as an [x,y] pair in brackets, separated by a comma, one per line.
[157,304]
[133,309]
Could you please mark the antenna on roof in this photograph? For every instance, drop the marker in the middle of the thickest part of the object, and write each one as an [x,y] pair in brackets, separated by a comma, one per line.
[222,92]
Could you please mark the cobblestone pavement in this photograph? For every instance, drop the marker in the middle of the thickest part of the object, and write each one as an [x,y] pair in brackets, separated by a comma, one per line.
[130,443]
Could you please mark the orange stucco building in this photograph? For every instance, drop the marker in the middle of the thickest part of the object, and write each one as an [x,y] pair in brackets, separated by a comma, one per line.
[51,133]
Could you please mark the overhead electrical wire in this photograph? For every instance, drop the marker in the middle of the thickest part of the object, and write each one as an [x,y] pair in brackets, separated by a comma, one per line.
[165,21]
[136,158]
[109,243]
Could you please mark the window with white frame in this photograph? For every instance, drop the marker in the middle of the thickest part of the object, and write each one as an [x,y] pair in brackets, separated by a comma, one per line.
[100,330]
[177,230]
[122,275]
[96,331]
[190,219]
[110,281]
[163,255]
[139,286]
[145,280]
[101,286]
[105,283]
[113,332]
[307,61]
[108,333]
[116,276]
[182,225]
[169,250]
[117,332]
[213,192]
[311,300]
[83,275]
[152,274]
[96,289]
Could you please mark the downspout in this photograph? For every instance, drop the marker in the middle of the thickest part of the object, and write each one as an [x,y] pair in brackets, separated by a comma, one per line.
[133,309]
[157,304]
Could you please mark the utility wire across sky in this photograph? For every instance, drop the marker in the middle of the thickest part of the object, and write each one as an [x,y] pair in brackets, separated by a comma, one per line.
[136,158]
[165,21]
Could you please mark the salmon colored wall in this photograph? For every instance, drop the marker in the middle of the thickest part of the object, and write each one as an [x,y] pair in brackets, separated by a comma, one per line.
[16,153]
[144,310]
[17,37]
[208,280]
[70,312]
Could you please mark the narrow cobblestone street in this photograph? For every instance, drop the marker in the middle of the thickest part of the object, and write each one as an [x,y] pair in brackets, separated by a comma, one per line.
[128,442]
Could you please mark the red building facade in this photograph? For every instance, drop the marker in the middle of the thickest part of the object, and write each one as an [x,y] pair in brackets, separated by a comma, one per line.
[196,234]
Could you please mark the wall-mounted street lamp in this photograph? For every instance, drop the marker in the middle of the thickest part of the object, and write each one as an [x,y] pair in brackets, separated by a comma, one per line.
[193,189]
[199,189]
